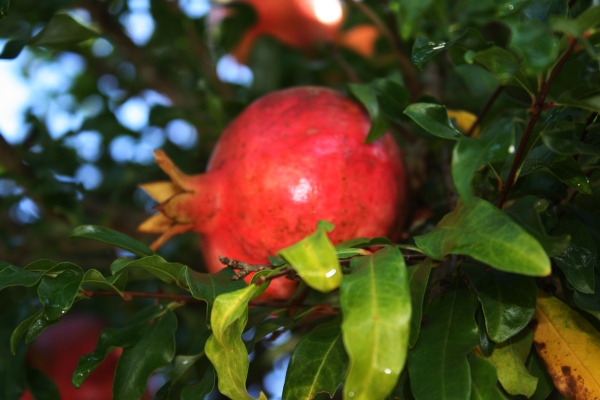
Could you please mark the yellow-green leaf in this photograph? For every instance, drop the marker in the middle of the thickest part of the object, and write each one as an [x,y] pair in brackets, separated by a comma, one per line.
[569,346]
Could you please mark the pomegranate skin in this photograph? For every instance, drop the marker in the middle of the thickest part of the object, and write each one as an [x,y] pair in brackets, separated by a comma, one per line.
[292,158]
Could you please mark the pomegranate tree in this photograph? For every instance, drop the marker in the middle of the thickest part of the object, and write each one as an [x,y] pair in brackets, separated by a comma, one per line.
[292,158]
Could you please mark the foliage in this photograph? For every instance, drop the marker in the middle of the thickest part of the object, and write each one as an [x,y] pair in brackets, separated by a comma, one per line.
[495,277]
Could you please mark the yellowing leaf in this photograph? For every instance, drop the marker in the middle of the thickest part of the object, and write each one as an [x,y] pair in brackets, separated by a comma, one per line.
[569,346]
[463,120]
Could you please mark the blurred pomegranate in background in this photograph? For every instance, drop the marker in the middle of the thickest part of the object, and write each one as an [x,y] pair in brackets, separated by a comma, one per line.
[56,353]
[300,24]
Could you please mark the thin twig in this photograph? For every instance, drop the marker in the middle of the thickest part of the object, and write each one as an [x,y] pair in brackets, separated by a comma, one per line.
[409,71]
[536,111]
[344,65]
[485,109]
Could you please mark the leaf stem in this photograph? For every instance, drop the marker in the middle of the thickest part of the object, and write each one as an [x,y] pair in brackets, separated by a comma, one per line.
[485,109]
[536,110]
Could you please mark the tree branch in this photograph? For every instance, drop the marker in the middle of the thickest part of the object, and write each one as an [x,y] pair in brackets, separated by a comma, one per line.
[485,109]
[536,111]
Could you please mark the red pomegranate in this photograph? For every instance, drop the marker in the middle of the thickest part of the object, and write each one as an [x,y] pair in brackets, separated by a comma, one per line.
[292,158]
[56,353]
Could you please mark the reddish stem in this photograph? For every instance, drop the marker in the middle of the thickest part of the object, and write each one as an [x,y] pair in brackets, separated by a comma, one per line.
[536,111]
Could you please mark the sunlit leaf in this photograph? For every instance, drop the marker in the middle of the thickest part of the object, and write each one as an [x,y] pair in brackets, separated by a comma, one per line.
[438,365]
[509,358]
[376,305]
[487,234]
[318,363]
[569,346]
[167,272]
[314,259]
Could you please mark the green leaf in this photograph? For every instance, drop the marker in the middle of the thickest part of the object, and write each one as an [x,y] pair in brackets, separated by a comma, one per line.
[508,300]
[62,30]
[376,305]
[500,62]
[167,272]
[588,302]
[112,338]
[201,389]
[589,103]
[577,27]
[437,365]
[409,14]
[368,98]
[419,277]
[470,154]
[484,379]
[526,211]
[207,287]
[42,265]
[57,294]
[155,349]
[318,363]
[230,358]
[434,119]
[537,368]
[424,48]
[564,140]
[579,259]
[537,58]
[41,386]
[108,236]
[481,231]
[13,48]
[314,258]
[392,97]
[114,283]
[15,276]
[20,331]
[509,358]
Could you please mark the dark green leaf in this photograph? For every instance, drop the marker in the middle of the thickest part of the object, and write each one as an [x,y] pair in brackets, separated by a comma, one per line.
[570,173]
[167,272]
[155,349]
[437,365]
[114,283]
[42,265]
[58,293]
[111,237]
[62,30]
[579,259]
[588,302]
[577,27]
[588,103]
[13,48]
[526,211]
[419,277]
[564,140]
[200,390]
[509,358]
[208,286]
[508,300]
[537,368]
[21,329]
[367,95]
[434,119]
[41,386]
[318,363]
[502,63]
[487,234]
[39,325]
[393,97]
[314,259]
[470,154]
[539,57]
[484,379]
[376,305]
[111,338]
[15,276]
[409,14]
[424,48]
[485,342]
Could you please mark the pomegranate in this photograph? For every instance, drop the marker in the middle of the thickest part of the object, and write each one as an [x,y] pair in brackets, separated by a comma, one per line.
[300,24]
[56,353]
[292,158]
